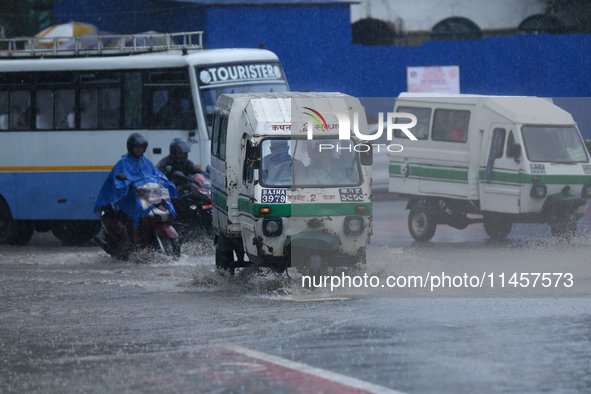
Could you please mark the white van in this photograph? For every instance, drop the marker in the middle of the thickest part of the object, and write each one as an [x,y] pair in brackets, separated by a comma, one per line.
[508,159]
[278,195]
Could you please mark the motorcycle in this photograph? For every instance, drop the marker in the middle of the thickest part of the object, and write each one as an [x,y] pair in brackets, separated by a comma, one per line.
[155,231]
[194,208]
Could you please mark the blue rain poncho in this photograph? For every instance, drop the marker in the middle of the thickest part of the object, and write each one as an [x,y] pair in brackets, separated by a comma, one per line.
[122,197]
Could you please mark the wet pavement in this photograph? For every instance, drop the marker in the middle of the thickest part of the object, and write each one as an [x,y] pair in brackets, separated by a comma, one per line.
[74,320]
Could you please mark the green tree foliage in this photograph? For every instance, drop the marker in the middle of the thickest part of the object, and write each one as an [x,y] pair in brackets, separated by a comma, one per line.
[576,13]
[20,18]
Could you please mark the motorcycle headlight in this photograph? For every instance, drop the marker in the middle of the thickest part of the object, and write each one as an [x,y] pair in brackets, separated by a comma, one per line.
[272,227]
[353,225]
[538,191]
[586,193]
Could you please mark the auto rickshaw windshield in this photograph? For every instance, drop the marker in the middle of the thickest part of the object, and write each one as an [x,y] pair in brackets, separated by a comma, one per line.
[555,144]
[303,163]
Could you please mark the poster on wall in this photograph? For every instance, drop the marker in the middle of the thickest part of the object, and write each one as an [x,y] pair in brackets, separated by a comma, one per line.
[438,79]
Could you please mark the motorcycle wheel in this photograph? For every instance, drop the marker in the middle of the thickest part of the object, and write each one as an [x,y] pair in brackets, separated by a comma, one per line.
[171,246]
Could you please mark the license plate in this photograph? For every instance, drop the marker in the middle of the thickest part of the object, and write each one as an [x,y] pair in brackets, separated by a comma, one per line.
[207,206]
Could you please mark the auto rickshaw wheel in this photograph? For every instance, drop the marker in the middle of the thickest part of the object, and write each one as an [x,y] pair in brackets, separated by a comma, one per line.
[421,223]
[224,260]
[496,226]
[564,229]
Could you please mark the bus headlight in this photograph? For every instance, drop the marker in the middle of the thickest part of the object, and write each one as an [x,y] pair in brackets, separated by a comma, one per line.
[272,227]
[353,225]
[586,193]
[538,191]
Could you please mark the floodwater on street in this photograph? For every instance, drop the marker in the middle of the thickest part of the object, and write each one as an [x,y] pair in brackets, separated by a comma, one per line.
[75,320]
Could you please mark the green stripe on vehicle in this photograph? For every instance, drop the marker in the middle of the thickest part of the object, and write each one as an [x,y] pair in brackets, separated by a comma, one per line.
[304,209]
[548,179]
[219,200]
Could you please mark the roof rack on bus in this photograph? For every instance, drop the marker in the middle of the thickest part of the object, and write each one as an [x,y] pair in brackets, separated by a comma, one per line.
[99,44]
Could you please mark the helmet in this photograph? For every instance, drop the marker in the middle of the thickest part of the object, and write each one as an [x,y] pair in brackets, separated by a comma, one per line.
[134,140]
[179,145]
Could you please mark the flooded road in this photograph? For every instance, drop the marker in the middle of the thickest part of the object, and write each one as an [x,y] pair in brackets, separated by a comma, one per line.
[74,320]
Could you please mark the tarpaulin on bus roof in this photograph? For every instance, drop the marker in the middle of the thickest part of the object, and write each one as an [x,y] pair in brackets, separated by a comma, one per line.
[71,29]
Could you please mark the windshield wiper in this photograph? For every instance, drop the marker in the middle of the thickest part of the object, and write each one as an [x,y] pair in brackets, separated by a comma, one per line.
[563,162]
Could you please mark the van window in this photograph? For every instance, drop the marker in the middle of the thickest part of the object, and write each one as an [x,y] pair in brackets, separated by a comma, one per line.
[450,125]
[498,142]
[421,130]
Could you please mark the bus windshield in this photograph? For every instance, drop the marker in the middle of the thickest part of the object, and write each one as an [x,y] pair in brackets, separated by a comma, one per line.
[210,96]
[556,144]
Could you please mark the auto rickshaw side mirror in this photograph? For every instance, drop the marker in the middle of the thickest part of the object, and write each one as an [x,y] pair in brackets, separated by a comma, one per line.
[366,158]
[252,161]
[121,177]
[515,151]
[588,145]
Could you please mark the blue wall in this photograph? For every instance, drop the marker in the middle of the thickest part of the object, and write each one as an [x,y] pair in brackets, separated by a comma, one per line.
[314,44]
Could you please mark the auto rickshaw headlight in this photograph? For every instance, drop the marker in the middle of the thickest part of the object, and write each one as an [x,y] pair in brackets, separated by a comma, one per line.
[272,227]
[538,191]
[353,225]
[586,193]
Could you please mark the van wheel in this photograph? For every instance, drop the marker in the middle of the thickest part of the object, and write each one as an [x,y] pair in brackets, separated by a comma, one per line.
[224,260]
[421,223]
[22,233]
[497,227]
[564,229]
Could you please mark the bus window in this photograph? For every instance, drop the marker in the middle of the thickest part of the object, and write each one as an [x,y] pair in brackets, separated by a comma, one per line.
[110,104]
[172,109]
[64,108]
[133,100]
[3,110]
[20,112]
[44,112]
[89,108]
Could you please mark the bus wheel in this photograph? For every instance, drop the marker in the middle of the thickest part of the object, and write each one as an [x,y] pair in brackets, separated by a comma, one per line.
[497,227]
[421,223]
[75,232]
[22,233]
[6,223]
[564,229]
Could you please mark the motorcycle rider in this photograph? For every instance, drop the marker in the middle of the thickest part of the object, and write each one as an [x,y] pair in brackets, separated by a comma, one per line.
[177,159]
[116,205]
